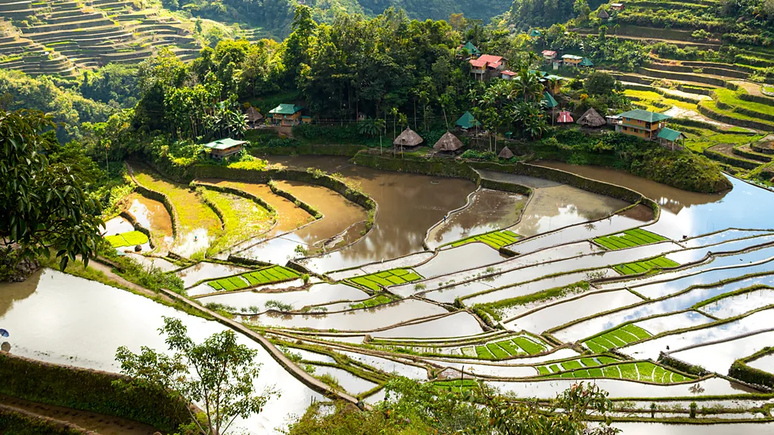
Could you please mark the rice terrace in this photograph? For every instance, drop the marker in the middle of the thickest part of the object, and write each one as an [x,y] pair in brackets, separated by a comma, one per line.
[290,217]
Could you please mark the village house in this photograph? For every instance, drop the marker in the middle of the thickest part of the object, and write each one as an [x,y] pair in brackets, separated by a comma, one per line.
[448,144]
[548,55]
[641,123]
[507,75]
[220,149]
[254,117]
[288,115]
[603,15]
[407,139]
[471,49]
[571,60]
[486,66]
[617,6]
[467,121]
[586,62]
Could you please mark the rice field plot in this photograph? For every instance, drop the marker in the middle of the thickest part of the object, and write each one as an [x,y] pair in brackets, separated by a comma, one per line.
[616,338]
[516,346]
[629,239]
[636,267]
[455,384]
[250,279]
[375,281]
[496,239]
[372,302]
[131,238]
[580,363]
[644,371]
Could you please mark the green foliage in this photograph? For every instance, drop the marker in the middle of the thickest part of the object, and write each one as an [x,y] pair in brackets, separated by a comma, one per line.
[479,155]
[88,390]
[600,83]
[372,302]
[45,204]
[225,374]
[17,423]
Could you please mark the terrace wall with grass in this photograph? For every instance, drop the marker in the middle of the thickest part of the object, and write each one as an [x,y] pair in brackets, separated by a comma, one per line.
[435,167]
[742,371]
[19,422]
[238,192]
[132,220]
[160,197]
[89,390]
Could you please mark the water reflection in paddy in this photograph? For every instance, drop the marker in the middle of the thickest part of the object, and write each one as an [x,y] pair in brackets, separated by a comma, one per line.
[489,210]
[357,320]
[462,257]
[739,304]
[409,204]
[153,216]
[718,357]
[650,349]
[677,303]
[389,366]
[689,213]
[117,225]
[82,323]
[765,363]
[349,382]
[621,388]
[459,324]
[316,294]
[694,429]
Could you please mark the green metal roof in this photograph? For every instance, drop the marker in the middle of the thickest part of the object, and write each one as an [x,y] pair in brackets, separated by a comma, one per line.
[669,134]
[550,101]
[223,144]
[471,48]
[534,32]
[644,115]
[467,121]
[586,62]
[285,109]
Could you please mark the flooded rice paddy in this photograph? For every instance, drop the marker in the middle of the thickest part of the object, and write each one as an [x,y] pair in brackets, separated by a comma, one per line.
[471,303]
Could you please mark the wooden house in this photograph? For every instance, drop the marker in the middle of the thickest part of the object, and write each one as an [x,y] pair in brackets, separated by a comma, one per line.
[223,148]
[407,139]
[286,115]
[548,55]
[571,60]
[507,75]
[617,6]
[448,144]
[486,66]
[641,123]
[671,139]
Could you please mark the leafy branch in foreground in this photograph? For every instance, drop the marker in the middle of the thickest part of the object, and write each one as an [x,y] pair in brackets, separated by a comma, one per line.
[217,374]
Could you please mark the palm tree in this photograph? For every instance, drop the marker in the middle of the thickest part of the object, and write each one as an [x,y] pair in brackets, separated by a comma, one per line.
[529,85]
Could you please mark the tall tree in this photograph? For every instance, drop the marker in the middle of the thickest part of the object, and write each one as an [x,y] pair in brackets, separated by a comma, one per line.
[45,206]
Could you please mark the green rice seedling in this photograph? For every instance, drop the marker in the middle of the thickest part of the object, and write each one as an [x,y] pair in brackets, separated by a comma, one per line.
[611,372]
[588,362]
[509,347]
[571,365]
[628,371]
[528,345]
[542,370]
[596,373]
[555,368]
[483,353]
[636,331]
[497,351]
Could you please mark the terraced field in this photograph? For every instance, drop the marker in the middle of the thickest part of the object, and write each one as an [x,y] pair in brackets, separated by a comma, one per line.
[616,338]
[252,279]
[645,266]
[131,238]
[496,239]
[629,239]
[376,281]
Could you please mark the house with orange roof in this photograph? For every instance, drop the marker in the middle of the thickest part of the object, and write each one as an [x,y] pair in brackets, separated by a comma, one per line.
[486,66]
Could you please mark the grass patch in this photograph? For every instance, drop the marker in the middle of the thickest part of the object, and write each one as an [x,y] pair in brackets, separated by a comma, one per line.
[496,239]
[495,309]
[242,218]
[372,302]
[250,279]
[131,238]
[376,281]
[617,337]
[629,239]
[645,266]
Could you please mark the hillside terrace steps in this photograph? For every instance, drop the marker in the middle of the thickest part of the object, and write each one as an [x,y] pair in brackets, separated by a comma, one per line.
[708,70]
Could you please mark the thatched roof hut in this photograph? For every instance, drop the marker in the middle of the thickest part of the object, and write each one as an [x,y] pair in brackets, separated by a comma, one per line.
[591,119]
[603,14]
[408,138]
[448,143]
[505,153]
[253,115]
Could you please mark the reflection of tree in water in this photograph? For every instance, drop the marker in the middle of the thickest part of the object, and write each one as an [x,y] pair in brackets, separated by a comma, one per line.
[489,210]
[17,291]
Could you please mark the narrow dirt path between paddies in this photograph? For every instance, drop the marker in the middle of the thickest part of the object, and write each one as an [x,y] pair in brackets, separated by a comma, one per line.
[289,216]
[198,223]
[338,212]
[99,423]
[243,218]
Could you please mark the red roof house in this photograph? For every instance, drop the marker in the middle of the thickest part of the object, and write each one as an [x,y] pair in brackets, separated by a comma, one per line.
[507,74]
[548,54]
[564,117]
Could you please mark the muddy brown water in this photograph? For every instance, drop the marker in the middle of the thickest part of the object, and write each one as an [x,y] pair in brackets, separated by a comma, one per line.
[489,210]
[150,214]
[686,213]
[409,204]
[289,216]
[100,423]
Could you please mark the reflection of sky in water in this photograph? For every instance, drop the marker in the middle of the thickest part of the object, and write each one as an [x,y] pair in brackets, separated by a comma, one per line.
[746,206]
[720,237]
[740,304]
[665,288]
[677,303]
[718,357]
[650,349]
